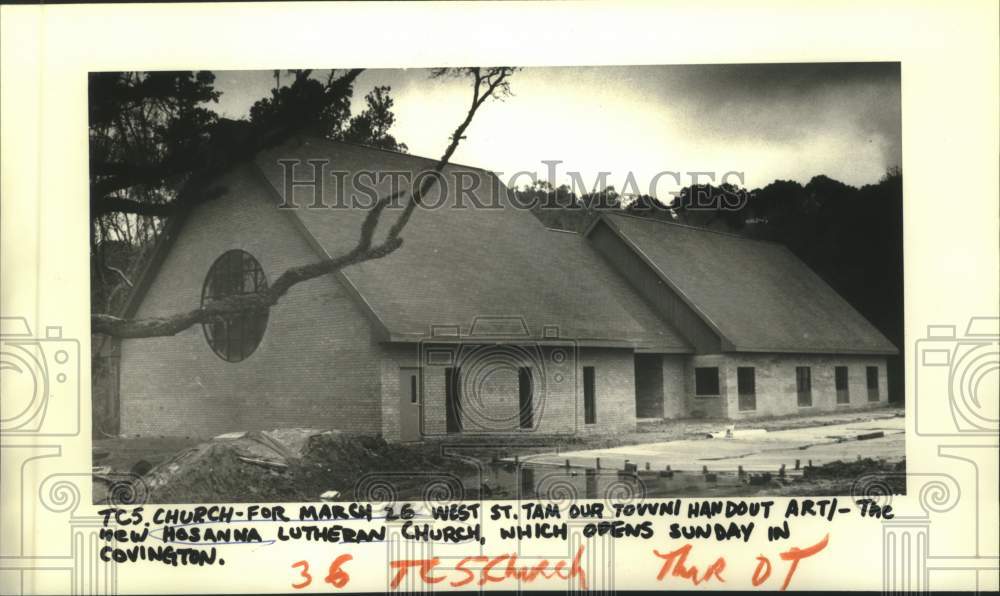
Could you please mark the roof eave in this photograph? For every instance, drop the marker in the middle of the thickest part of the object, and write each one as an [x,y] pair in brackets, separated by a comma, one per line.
[638,346]
[811,350]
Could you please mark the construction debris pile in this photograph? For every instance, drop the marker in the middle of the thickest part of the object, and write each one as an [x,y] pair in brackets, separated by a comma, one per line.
[292,464]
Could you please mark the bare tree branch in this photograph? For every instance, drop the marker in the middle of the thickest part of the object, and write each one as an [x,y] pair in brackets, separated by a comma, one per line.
[189,196]
[120,274]
[121,205]
[485,85]
[119,176]
[230,305]
[498,78]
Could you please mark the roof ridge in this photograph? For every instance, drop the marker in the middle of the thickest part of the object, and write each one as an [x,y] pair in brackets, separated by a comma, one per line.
[395,152]
[697,228]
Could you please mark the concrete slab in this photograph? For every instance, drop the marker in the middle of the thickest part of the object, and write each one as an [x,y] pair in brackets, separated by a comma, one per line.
[754,452]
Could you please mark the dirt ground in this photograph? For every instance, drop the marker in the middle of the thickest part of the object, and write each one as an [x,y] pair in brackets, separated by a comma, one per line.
[122,454]
[366,468]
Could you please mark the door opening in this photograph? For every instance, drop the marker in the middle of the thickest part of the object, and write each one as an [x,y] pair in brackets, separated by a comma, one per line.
[746,387]
[526,398]
[410,404]
[648,386]
[453,399]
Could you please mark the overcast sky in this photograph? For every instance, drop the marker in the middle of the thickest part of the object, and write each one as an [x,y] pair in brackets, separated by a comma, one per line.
[768,121]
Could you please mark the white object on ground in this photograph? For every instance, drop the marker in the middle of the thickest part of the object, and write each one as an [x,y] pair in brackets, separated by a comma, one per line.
[231,436]
[731,433]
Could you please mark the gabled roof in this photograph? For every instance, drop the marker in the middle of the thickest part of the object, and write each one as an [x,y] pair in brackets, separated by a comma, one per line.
[756,295]
[459,262]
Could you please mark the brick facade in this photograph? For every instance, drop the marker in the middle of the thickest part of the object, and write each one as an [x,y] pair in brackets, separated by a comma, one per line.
[316,366]
[325,363]
[490,388]
[776,392]
[320,364]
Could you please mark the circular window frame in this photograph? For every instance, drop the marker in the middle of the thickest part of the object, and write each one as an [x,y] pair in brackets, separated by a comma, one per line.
[215,270]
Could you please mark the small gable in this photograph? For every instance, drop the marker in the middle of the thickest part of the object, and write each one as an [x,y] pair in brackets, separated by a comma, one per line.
[756,295]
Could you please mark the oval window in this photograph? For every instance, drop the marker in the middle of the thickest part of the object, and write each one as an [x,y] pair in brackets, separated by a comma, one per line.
[236,336]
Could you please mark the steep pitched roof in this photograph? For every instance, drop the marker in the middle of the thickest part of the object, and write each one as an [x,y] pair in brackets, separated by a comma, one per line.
[461,262]
[757,295]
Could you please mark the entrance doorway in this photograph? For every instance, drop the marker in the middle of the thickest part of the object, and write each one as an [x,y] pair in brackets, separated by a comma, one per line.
[410,402]
[648,386]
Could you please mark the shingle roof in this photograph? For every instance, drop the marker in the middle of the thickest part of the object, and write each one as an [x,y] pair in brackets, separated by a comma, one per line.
[460,262]
[757,295]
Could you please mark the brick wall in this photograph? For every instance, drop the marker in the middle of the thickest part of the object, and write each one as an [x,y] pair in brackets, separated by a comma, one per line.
[490,389]
[776,389]
[316,366]
[699,406]
[776,393]
[615,381]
